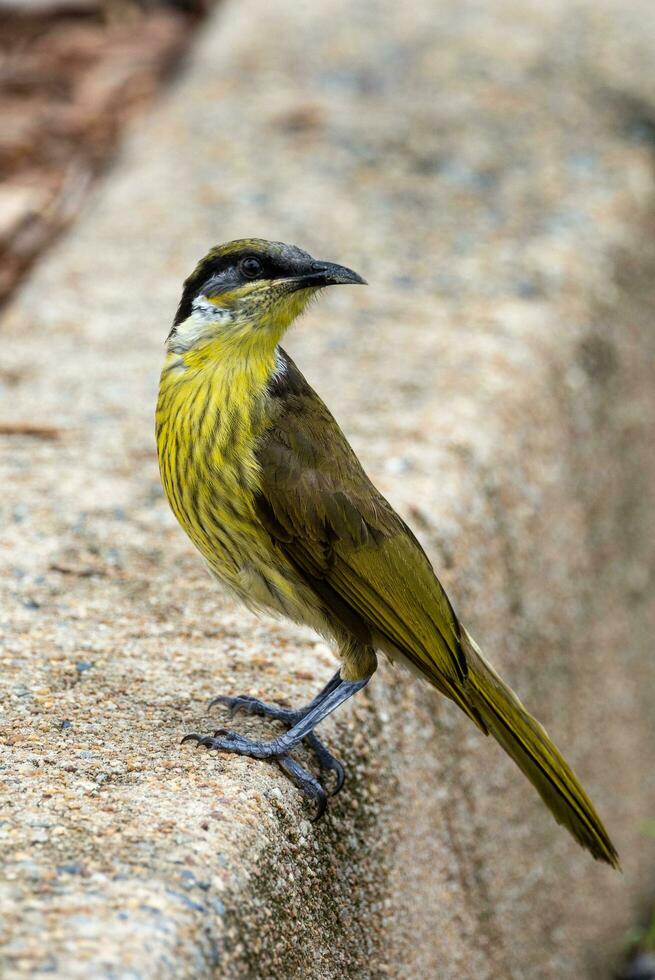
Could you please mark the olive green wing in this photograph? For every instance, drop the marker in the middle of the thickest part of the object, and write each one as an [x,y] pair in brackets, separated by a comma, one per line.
[354,551]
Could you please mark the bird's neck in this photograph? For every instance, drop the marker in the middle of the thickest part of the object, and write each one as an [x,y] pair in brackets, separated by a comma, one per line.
[219,343]
[230,376]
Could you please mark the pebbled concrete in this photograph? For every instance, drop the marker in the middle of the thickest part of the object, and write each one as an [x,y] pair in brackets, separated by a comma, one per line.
[488,168]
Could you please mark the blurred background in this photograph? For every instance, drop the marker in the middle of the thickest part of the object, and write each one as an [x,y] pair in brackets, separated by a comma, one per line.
[488,166]
[73,73]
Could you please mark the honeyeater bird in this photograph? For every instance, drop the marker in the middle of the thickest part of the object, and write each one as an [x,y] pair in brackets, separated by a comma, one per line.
[265,484]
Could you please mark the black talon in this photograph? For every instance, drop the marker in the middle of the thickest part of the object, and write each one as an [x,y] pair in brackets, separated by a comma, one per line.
[236,703]
[305,782]
[327,761]
[253,706]
[221,699]
[320,810]
[190,738]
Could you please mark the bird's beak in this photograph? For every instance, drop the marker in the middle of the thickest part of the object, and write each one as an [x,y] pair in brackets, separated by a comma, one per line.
[320,274]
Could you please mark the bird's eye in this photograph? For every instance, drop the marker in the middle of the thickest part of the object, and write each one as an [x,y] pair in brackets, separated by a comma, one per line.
[251,267]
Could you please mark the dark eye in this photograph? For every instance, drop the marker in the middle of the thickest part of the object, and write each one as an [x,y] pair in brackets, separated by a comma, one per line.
[251,267]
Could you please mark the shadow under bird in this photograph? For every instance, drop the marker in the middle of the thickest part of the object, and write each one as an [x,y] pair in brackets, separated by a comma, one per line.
[263,481]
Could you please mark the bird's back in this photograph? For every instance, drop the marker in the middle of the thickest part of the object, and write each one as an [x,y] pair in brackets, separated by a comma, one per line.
[353,550]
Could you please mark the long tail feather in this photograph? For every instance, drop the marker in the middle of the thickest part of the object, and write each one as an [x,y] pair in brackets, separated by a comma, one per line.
[528,744]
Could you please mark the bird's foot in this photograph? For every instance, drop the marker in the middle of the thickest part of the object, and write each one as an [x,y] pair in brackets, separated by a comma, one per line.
[288,716]
[302,724]
[227,741]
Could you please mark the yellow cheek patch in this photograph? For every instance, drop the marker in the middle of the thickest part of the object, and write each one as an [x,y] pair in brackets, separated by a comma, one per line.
[287,306]
[224,299]
[293,304]
[262,304]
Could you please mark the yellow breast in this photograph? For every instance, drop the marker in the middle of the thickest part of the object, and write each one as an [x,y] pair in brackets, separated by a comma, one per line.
[210,414]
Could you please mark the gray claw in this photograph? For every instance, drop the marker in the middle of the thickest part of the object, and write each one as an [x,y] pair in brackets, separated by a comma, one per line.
[327,761]
[234,704]
[253,706]
[305,782]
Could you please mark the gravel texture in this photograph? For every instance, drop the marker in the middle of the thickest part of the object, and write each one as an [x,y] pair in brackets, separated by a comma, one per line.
[489,169]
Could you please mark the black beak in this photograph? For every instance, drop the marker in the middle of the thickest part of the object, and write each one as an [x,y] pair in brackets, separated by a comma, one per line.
[321,274]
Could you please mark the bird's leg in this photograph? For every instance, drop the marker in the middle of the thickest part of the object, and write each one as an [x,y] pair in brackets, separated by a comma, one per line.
[279,748]
[233,742]
[291,716]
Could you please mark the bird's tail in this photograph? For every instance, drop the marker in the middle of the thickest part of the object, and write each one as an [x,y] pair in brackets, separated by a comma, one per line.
[528,744]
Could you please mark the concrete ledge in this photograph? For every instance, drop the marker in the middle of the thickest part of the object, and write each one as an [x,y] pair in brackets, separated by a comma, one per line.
[491,175]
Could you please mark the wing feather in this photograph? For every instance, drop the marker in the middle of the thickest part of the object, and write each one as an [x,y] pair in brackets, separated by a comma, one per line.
[355,552]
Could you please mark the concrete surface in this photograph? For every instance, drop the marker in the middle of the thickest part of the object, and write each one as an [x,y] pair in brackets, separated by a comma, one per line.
[488,167]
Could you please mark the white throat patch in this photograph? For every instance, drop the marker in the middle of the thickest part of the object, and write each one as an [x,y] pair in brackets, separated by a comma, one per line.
[204,310]
[199,325]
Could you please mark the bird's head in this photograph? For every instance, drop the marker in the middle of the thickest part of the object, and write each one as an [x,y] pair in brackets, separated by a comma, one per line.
[250,290]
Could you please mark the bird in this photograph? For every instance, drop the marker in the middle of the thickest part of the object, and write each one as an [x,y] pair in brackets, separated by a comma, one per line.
[260,476]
